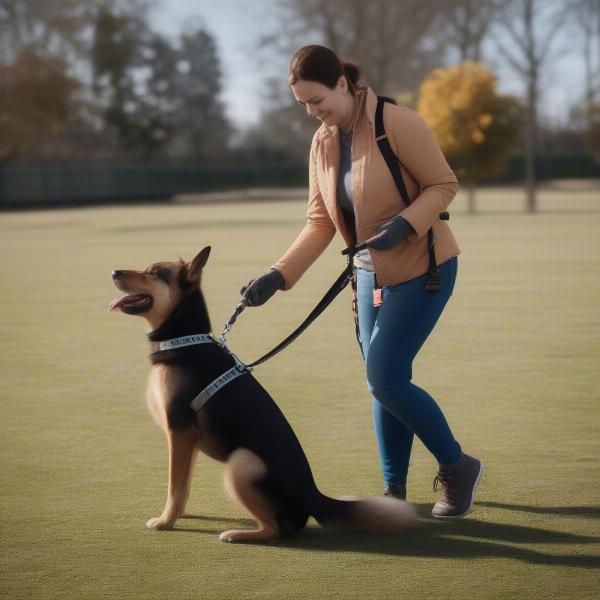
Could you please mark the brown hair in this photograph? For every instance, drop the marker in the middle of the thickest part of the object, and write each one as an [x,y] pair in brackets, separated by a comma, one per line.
[320,64]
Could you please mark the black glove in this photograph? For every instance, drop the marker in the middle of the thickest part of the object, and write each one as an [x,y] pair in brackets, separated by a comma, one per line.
[392,233]
[259,290]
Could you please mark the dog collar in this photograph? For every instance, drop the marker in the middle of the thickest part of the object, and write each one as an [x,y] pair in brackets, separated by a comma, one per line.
[182,342]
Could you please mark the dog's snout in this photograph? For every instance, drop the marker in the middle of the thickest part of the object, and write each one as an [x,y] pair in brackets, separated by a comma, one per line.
[117,274]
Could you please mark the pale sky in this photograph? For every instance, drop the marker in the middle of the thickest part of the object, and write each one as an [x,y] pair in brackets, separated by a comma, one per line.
[237,24]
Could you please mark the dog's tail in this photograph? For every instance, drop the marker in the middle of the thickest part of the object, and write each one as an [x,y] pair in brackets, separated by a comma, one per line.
[377,514]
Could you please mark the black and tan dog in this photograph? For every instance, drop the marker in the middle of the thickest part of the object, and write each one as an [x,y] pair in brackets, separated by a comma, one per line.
[266,469]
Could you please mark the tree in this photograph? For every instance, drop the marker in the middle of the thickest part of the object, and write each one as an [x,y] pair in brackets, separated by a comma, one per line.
[531,27]
[159,98]
[119,47]
[56,28]
[41,44]
[394,42]
[77,70]
[200,118]
[587,20]
[36,97]
[468,23]
[475,127]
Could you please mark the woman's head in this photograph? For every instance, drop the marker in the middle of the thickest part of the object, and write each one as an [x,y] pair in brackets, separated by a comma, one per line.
[323,84]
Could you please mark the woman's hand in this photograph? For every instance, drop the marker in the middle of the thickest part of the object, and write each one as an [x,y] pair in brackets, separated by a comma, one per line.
[392,233]
[259,290]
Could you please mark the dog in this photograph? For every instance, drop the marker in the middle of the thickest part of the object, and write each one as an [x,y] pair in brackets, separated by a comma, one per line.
[266,470]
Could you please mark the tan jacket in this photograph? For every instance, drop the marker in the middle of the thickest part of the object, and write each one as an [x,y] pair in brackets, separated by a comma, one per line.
[429,181]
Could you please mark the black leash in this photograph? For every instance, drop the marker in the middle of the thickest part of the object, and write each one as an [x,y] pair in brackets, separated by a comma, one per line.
[338,285]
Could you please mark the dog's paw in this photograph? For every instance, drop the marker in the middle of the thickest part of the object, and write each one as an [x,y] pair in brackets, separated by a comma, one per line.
[249,536]
[159,523]
[227,536]
[237,536]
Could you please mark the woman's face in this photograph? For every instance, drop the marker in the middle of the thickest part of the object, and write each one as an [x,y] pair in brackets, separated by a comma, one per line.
[331,106]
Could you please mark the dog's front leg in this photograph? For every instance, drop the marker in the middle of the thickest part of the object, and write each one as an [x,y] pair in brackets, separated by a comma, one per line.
[182,449]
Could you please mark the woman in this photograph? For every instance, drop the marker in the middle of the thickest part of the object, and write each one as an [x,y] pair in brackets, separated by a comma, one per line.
[351,190]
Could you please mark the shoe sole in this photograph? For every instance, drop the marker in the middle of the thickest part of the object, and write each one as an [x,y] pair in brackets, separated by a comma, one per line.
[479,475]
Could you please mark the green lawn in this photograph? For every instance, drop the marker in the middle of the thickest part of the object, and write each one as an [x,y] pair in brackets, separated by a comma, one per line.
[515,364]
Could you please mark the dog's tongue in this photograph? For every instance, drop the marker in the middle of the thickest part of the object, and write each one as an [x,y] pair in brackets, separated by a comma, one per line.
[128,301]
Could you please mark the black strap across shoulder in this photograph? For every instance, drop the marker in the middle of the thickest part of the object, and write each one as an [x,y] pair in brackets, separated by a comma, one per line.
[434,282]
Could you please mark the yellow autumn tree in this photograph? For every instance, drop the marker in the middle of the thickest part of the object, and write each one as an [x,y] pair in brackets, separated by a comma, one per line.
[475,127]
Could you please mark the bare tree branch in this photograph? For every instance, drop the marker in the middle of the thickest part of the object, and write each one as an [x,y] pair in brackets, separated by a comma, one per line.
[385,36]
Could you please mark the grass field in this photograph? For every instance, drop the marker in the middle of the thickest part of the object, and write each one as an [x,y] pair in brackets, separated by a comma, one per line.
[515,364]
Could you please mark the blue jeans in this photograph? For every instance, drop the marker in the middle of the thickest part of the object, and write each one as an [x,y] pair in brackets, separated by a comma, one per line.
[392,335]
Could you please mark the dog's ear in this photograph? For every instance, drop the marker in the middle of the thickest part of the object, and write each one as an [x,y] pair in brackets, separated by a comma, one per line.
[194,268]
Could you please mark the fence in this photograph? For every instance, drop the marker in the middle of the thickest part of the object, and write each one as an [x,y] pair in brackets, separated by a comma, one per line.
[24,185]
[47,184]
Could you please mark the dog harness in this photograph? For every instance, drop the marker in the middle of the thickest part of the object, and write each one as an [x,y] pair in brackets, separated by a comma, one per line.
[221,381]
[239,368]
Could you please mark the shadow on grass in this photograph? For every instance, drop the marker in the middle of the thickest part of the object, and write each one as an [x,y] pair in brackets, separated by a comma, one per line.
[242,523]
[445,539]
[592,512]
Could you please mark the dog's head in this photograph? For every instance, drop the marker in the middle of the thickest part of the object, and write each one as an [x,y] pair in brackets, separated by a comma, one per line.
[156,291]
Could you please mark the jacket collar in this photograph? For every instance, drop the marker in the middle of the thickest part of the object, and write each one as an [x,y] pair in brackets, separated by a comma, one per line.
[366,103]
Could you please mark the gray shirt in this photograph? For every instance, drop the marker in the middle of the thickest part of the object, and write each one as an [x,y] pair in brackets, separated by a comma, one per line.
[362,259]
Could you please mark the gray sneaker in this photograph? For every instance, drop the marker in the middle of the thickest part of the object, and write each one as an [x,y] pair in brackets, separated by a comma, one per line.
[394,490]
[458,483]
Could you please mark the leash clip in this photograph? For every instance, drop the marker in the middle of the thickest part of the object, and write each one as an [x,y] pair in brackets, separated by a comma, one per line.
[229,325]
